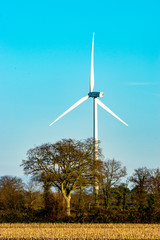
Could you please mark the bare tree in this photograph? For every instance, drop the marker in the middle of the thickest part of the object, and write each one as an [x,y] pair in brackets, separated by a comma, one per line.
[67,164]
[155,183]
[112,173]
[11,193]
[141,180]
[33,196]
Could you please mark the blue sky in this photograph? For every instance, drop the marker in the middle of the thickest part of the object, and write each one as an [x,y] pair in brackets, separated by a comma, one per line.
[45,53]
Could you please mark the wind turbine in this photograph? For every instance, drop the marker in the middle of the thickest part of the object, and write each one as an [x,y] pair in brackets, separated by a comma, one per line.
[95,96]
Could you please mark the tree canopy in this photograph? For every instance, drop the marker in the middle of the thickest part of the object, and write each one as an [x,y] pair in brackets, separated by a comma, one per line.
[68,165]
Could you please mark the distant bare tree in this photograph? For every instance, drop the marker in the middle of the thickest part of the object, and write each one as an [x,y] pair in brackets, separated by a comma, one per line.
[112,173]
[33,196]
[141,182]
[155,183]
[11,193]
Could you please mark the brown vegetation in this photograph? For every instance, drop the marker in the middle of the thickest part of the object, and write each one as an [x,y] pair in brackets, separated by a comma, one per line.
[80,231]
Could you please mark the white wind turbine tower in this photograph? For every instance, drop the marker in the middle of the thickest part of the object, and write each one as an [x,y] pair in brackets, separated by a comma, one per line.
[96,101]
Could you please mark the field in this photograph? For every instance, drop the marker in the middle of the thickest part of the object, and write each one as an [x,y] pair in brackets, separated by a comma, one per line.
[79,231]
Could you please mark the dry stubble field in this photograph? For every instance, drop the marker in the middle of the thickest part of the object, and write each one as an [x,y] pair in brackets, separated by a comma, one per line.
[79,231]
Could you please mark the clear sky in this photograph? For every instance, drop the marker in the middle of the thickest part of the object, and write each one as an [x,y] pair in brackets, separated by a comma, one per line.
[45,54]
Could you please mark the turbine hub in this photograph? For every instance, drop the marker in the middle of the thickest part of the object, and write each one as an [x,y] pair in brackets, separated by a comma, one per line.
[95,94]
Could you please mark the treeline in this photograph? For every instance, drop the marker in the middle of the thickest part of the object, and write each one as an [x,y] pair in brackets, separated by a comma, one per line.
[66,172]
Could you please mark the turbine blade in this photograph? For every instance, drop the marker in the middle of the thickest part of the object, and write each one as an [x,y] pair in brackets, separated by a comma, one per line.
[71,108]
[108,110]
[92,68]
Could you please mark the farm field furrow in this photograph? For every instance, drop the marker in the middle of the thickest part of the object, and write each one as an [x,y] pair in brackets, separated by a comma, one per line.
[79,231]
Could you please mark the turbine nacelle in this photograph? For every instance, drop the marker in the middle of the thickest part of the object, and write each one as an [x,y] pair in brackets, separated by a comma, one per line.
[95,94]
